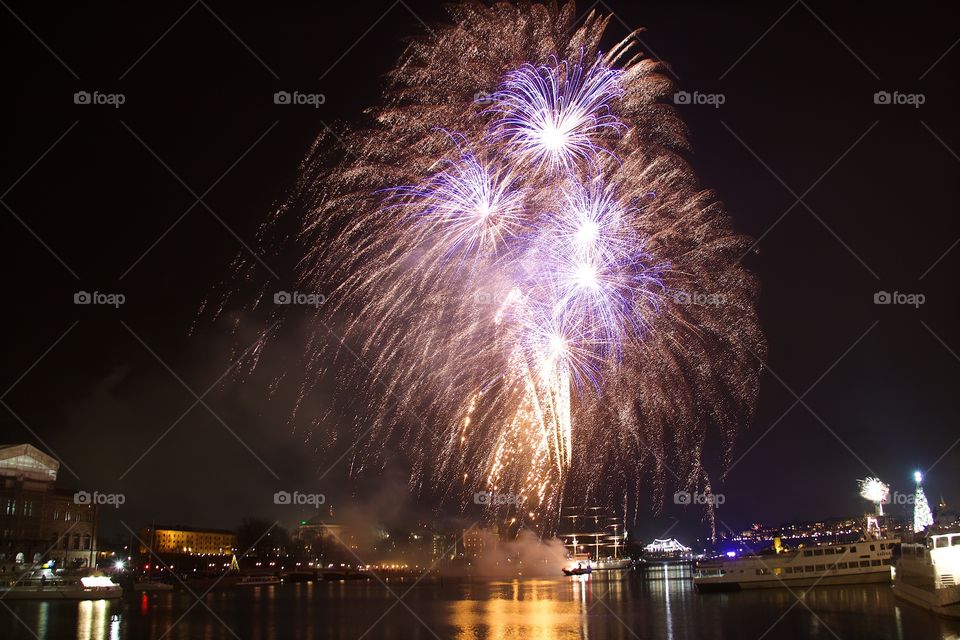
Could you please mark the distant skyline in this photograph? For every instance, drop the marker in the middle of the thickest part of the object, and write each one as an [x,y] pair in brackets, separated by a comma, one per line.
[848,194]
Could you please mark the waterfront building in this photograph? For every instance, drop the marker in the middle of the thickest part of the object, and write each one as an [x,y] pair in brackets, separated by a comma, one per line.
[183,540]
[40,521]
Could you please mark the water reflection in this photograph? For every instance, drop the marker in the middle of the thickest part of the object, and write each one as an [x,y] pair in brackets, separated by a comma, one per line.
[658,602]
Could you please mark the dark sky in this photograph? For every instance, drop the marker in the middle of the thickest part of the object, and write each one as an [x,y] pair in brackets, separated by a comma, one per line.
[104,199]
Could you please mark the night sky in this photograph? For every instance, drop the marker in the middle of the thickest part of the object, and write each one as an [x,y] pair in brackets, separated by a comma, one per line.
[106,199]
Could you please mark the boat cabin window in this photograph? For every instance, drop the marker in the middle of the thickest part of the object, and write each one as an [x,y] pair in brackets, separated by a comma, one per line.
[807,553]
[882,546]
[864,563]
[873,547]
[808,568]
[829,552]
[942,542]
[841,565]
[821,567]
[955,540]
[789,569]
[874,563]
[818,552]
[853,549]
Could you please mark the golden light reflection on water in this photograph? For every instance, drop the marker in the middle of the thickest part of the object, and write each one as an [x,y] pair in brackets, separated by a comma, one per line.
[538,615]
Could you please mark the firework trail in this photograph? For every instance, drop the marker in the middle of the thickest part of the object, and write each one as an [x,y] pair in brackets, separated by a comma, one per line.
[516,251]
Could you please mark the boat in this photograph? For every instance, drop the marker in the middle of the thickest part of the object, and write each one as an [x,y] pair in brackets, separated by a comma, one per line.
[866,561]
[613,564]
[590,529]
[667,551]
[258,581]
[579,570]
[45,584]
[928,572]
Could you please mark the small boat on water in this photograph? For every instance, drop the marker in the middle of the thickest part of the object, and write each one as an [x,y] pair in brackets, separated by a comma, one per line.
[258,581]
[866,561]
[44,584]
[579,570]
[928,572]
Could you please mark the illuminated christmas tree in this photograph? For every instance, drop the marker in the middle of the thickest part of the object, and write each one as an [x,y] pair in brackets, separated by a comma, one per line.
[922,517]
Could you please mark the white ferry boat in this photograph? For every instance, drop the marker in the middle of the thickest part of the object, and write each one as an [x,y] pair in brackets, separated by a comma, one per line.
[824,564]
[928,573]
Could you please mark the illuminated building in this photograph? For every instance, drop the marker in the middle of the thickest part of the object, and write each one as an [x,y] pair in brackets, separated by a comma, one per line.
[38,520]
[187,541]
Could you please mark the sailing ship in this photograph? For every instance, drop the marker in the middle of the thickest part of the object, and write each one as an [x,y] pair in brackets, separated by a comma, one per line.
[594,542]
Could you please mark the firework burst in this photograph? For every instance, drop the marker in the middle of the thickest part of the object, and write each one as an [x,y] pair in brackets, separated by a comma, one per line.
[508,248]
[875,491]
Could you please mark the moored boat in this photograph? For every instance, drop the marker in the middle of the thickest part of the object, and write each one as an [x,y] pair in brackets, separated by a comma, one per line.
[44,584]
[258,580]
[866,561]
[928,572]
